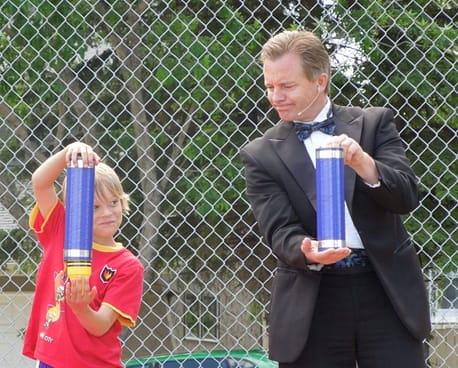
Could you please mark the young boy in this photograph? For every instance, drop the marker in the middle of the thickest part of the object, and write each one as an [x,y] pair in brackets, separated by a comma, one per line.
[77,324]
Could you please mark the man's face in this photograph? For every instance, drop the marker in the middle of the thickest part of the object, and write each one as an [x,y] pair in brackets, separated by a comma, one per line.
[290,93]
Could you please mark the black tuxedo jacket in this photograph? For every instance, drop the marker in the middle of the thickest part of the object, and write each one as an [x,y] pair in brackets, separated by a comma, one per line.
[280,180]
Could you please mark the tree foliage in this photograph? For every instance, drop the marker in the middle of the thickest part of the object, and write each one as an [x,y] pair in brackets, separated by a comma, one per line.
[411,56]
[169,91]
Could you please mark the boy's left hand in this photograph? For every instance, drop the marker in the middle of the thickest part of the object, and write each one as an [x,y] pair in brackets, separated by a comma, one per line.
[78,294]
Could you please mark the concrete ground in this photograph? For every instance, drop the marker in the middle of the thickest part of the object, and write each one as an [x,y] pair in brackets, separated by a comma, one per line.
[14,312]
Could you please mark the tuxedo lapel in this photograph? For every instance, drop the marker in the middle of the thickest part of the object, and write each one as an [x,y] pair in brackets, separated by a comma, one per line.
[295,157]
[350,123]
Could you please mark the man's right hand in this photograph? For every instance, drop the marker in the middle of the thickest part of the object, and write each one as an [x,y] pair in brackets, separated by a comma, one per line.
[329,256]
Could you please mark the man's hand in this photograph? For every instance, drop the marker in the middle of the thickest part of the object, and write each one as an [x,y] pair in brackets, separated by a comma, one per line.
[356,158]
[329,256]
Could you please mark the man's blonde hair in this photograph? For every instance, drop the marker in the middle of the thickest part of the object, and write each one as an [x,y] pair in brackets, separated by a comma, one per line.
[315,58]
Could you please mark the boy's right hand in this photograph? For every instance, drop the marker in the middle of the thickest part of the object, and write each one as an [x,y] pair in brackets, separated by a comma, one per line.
[82,150]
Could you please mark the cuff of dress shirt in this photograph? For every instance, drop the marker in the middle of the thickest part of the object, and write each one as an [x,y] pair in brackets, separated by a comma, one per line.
[376,185]
[315,266]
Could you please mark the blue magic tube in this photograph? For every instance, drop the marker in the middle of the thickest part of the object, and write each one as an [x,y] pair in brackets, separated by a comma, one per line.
[330,198]
[79,215]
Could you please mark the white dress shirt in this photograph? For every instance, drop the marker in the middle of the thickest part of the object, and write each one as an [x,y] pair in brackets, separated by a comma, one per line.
[319,139]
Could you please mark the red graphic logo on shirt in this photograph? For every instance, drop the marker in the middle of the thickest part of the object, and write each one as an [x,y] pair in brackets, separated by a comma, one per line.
[107,274]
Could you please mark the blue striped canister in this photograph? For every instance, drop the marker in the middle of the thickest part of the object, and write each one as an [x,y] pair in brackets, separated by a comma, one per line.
[330,198]
[79,215]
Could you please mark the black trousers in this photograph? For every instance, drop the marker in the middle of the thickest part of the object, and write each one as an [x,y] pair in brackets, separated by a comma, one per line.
[355,323]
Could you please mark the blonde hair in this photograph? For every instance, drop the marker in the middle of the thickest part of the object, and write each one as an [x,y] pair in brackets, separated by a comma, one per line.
[315,58]
[106,184]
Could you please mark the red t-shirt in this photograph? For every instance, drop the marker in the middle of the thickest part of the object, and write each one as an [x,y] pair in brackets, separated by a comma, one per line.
[54,334]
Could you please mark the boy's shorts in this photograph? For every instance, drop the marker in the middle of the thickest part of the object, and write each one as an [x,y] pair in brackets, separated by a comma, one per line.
[42,365]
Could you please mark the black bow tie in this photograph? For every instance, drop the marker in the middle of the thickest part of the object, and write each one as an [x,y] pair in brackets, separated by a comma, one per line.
[303,130]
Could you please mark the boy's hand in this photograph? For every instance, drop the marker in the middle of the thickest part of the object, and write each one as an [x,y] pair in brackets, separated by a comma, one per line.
[79,149]
[78,294]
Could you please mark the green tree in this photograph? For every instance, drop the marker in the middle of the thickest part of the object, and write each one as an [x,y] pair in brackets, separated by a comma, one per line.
[410,66]
[163,89]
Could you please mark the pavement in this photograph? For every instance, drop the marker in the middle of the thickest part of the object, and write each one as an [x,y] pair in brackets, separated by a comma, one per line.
[14,312]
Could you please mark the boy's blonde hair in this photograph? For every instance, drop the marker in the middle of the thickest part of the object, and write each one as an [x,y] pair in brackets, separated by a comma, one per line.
[107,184]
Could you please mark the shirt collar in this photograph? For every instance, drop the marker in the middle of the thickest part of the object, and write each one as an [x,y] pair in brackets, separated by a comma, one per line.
[324,114]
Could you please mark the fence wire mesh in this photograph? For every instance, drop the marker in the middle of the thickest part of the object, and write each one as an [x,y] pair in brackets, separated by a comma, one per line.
[167,92]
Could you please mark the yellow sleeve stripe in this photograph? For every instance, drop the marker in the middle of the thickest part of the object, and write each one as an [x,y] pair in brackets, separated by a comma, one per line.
[34,214]
[123,318]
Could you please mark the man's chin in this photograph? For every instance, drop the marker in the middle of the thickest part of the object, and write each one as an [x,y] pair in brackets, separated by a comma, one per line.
[285,116]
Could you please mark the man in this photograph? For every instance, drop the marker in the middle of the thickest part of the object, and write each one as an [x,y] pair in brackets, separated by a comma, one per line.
[366,303]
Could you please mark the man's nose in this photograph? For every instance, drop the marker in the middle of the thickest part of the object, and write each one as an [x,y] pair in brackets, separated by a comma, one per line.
[277,95]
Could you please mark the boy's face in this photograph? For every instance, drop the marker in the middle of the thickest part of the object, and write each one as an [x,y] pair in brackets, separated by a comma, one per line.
[107,219]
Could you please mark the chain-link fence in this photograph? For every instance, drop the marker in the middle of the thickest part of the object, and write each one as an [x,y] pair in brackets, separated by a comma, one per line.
[167,92]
